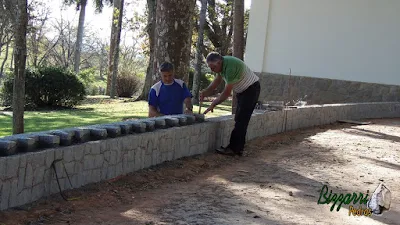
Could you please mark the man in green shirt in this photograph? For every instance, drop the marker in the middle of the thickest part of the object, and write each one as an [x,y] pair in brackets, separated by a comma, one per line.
[239,78]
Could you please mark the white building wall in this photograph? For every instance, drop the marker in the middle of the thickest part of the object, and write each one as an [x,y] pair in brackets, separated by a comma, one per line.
[357,40]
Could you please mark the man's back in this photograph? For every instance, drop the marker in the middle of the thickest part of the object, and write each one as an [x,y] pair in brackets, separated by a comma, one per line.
[168,98]
[235,71]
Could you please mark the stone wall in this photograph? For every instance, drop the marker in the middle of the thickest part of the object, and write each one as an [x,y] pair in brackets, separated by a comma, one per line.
[278,87]
[96,153]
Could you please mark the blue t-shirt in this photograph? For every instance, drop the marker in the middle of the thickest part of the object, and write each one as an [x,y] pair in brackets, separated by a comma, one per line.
[168,99]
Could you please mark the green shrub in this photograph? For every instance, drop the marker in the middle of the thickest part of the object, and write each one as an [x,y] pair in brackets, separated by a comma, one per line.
[96,89]
[205,79]
[127,83]
[47,87]
[87,76]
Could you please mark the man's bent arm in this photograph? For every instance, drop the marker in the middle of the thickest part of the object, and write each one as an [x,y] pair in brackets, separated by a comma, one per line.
[214,84]
[224,95]
[153,112]
[188,103]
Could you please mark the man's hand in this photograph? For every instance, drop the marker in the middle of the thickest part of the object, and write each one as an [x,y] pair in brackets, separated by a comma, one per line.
[188,111]
[153,112]
[224,95]
[189,106]
[210,108]
[211,88]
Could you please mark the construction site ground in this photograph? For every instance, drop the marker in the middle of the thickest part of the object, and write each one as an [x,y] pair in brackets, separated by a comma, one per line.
[277,181]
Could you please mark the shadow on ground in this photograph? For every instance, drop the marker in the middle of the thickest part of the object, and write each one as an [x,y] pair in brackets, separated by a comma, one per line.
[372,134]
[382,163]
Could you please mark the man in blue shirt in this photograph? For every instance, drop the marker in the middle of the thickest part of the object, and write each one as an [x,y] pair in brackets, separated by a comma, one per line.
[167,96]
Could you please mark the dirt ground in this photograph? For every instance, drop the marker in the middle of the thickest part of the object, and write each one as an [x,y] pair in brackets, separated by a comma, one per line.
[278,181]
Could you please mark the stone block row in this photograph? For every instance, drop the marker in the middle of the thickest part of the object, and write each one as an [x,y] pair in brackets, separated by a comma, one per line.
[37,141]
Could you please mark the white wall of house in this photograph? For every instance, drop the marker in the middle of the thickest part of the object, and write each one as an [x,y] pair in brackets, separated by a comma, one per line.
[357,40]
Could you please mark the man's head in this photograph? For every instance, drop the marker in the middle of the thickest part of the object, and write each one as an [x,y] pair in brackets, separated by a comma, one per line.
[167,73]
[214,61]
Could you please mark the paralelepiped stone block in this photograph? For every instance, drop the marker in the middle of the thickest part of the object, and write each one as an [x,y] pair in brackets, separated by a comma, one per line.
[190,119]
[160,123]
[126,128]
[199,117]
[150,125]
[66,137]
[27,144]
[80,134]
[182,120]
[48,141]
[138,127]
[172,122]
[98,133]
[8,147]
[112,131]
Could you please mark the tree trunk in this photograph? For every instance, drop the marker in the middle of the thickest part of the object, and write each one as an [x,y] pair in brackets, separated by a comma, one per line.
[219,29]
[114,24]
[35,50]
[151,26]
[5,59]
[174,35]
[12,60]
[199,56]
[19,67]
[119,5]
[79,38]
[238,38]
[101,68]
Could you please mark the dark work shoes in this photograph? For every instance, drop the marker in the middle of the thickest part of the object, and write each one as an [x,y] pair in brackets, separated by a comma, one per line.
[228,151]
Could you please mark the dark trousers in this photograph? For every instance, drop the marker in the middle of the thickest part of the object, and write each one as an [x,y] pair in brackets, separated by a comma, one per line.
[246,102]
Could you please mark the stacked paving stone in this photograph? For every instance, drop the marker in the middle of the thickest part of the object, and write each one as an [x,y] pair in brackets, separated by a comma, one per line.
[33,164]
[32,142]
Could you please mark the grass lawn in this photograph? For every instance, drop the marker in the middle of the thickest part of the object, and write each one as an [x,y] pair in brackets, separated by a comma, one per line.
[95,110]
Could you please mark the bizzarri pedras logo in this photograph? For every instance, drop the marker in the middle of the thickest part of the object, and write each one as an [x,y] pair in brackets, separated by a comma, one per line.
[377,203]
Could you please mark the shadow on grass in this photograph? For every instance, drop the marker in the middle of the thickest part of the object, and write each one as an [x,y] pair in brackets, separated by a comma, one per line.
[44,109]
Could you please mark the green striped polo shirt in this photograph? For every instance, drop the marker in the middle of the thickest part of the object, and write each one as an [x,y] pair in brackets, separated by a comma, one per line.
[235,71]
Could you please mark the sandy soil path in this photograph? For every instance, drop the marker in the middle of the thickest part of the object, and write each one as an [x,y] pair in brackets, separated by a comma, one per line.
[278,181]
